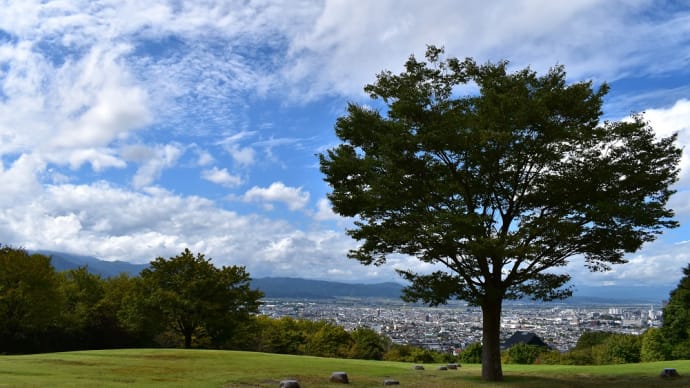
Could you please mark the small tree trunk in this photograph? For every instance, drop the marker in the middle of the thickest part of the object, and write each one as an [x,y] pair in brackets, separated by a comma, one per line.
[188,332]
[491,339]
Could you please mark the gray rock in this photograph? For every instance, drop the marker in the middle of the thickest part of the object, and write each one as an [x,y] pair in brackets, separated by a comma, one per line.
[339,377]
[669,372]
[391,382]
[442,367]
[418,367]
[289,384]
[453,366]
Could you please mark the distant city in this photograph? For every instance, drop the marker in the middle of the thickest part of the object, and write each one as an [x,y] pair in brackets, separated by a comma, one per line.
[454,326]
[446,328]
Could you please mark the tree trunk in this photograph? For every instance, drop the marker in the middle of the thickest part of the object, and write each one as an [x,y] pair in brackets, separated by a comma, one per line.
[491,339]
[188,332]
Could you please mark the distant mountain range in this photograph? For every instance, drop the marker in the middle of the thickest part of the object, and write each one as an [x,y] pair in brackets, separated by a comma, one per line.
[65,261]
[320,289]
[297,288]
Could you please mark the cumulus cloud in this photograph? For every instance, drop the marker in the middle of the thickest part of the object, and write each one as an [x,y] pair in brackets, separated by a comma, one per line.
[19,181]
[293,197]
[675,119]
[116,224]
[60,108]
[658,264]
[221,177]
[152,161]
[205,158]
[324,211]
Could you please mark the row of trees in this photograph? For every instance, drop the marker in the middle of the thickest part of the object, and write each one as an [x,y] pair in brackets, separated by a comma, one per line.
[669,342]
[324,339]
[180,301]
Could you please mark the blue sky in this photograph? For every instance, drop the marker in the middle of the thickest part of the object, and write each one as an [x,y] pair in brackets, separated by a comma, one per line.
[134,129]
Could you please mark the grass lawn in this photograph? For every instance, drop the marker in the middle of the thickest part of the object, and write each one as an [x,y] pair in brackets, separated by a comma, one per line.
[210,368]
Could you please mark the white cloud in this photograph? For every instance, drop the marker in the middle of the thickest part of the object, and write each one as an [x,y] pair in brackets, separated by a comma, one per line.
[19,181]
[99,100]
[68,113]
[205,158]
[324,211]
[659,263]
[347,45]
[99,158]
[152,161]
[675,119]
[221,177]
[293,197]
[115,224]
[243,156]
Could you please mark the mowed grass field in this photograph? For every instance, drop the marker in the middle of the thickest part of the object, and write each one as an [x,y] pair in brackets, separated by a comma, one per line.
[210,368]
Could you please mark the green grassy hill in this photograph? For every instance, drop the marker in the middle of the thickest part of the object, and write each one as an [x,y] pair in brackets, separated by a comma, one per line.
[210,368]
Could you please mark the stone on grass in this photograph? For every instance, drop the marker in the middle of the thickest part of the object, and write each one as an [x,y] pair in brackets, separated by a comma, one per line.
[442,367]
[339,377]
[391,382]
[669,372]
[418,367]
[453,366]
[289,384]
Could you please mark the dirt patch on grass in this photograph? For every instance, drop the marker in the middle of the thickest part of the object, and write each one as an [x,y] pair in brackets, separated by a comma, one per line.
[164,357]
[65,362]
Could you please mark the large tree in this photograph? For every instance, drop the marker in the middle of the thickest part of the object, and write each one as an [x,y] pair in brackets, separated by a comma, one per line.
[496,178]
[195,297]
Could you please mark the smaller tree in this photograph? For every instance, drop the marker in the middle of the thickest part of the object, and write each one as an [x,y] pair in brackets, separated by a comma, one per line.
[654,346]
[29,300]
[472,354]
[621,349]
[285,335]
[81,317]
[524,354]
[329,340]
[676,319]
[193,296]
[367,344]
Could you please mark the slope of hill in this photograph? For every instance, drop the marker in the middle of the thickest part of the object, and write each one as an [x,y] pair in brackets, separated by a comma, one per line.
[224,368]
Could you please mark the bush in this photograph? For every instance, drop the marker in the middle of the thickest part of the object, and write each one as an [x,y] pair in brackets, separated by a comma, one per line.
[523,354]
[654,346]
[681,351]
[472,354]
[592,338]
[553,357]
[367,344]
[621,349]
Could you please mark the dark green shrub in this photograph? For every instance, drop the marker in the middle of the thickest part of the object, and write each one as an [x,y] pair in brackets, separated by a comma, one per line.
[472,354]
[523,354]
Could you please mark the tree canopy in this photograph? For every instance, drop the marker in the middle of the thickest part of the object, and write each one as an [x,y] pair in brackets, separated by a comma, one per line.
[194,297]
[497,178]
[676,318]
[29,298]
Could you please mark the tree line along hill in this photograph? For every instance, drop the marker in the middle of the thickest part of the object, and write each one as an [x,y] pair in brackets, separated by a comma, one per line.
[185,301]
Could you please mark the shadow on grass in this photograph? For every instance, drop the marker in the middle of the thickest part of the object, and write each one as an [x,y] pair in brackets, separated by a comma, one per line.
[588,381]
